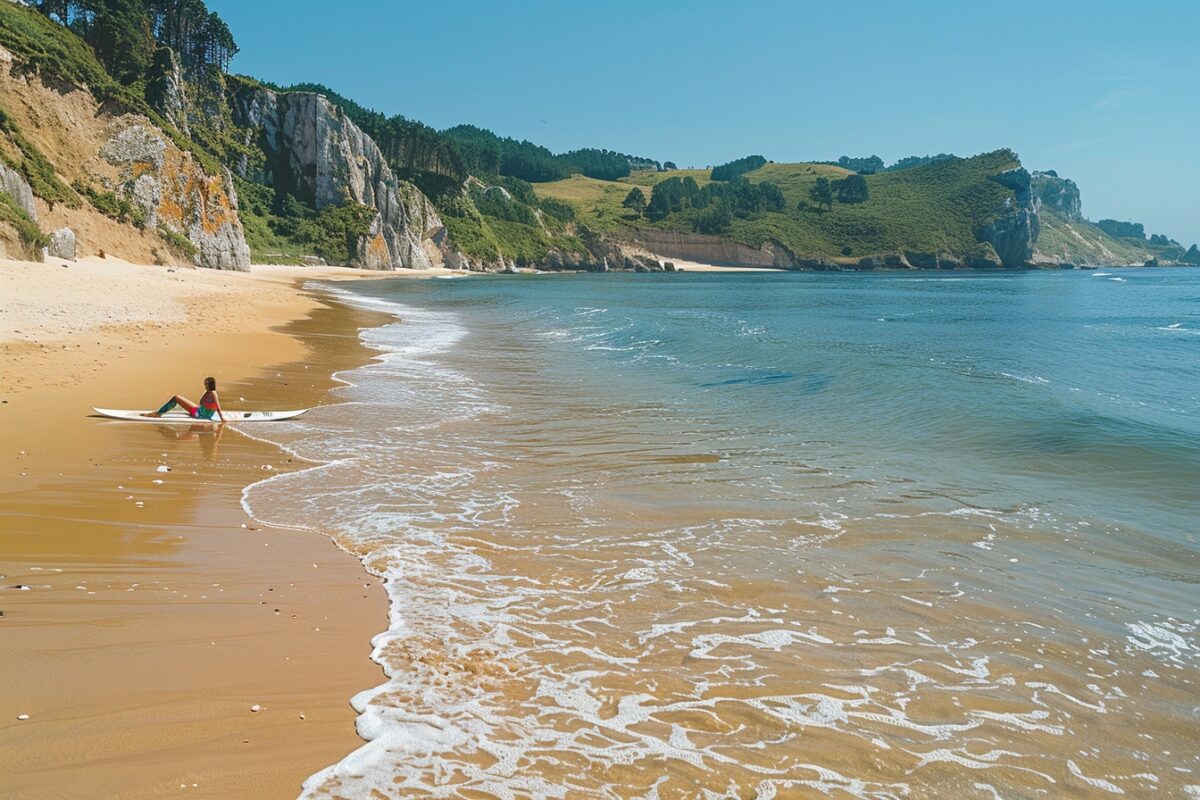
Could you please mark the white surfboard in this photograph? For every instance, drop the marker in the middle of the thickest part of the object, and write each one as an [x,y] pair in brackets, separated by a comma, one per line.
[181,416]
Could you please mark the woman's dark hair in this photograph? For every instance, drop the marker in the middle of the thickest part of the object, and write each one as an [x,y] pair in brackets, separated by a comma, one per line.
[210,384]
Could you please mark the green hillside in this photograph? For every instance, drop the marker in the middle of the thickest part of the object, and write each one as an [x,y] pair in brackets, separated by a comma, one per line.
[936,207]
[1085,243]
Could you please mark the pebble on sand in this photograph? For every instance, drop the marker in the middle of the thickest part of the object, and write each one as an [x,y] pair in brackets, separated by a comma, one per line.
[163,468]
[256,708]
[22,717]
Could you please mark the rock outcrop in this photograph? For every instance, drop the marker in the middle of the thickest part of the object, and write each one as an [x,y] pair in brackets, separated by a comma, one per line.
[13,184]
[316,153]
[62,244]
[175,193]
[1014,232]
[1059,195]
[715,250]
[167,89]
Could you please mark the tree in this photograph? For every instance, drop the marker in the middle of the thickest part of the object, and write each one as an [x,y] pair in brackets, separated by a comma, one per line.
[1192,256]
[727,172]
[851,189]
[714,220]
[772,196]
[635,200]
[669,165]
[121,36]
[869,165]
[660,200]
[821,193]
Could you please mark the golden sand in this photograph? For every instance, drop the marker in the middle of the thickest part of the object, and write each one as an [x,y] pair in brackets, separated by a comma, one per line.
[157,614]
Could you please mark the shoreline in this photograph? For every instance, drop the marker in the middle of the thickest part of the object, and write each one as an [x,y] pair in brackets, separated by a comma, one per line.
[157,612]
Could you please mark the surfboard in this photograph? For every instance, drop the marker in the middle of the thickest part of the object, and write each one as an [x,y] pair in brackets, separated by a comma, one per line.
[180,416]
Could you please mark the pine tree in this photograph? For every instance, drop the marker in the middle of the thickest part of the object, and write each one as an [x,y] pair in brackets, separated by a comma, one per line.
[635,200]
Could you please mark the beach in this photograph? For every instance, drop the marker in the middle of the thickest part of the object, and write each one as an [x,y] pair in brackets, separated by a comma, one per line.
[144,614]
[597,535]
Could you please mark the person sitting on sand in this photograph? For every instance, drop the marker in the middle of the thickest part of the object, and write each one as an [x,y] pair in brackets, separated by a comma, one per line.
[208,407]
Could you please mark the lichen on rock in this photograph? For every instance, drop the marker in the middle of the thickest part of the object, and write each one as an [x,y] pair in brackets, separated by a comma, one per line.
[173,191]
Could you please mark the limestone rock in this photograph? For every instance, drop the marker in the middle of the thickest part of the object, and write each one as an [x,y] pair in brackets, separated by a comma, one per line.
[1013,234]
[15,186]
[62,244]
[715,250]
[167,89]
[318,154]
[1056,194]
[173,191]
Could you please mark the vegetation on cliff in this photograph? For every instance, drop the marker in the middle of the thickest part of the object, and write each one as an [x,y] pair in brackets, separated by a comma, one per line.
[508,201]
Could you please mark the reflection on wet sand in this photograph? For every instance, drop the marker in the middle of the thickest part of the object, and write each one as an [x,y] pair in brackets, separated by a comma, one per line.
[208,434]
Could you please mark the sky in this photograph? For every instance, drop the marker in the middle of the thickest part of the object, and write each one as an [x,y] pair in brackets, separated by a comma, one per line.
[1105,93]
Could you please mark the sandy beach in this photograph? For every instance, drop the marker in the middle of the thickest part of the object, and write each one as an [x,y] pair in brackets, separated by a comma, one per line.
[144,614]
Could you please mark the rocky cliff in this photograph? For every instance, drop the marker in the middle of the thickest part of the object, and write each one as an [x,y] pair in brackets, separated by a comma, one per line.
[1013,234]
[715,250]
[173,192]
[110,179]
[1058,195]
[316,153]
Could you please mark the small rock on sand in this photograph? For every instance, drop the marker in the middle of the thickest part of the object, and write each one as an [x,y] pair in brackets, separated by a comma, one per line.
[256,708]
[22,717]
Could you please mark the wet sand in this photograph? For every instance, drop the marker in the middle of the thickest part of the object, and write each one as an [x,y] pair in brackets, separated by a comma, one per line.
[157,614]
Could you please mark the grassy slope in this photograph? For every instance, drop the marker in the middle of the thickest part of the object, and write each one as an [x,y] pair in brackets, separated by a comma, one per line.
[936,207]
[1086,243]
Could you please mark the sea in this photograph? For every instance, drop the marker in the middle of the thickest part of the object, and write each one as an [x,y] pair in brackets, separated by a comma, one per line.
[769,535]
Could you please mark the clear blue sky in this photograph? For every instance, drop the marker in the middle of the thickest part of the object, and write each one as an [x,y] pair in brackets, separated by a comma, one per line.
[1106,93]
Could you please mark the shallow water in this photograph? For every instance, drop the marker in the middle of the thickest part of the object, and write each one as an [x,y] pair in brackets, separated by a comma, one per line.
[766,535]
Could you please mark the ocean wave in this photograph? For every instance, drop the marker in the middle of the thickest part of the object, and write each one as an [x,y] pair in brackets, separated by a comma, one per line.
[581,606]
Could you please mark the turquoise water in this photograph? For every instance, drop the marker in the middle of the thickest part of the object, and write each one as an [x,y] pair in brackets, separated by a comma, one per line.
[763,535]
[1078,392]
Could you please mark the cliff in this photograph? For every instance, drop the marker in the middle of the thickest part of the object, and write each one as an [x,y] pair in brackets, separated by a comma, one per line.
[315,153]
[1013,232]
[1057,195]
[107,179]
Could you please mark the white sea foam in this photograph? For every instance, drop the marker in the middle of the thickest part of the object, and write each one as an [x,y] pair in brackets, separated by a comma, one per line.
[545,640]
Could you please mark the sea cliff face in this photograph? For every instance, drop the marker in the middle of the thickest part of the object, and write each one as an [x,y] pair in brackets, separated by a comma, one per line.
[715,249]
[315,152]
[1058,195]
[1013,234]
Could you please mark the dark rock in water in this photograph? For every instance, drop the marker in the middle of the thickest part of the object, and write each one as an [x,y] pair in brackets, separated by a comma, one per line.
[819,265]
[984,261]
